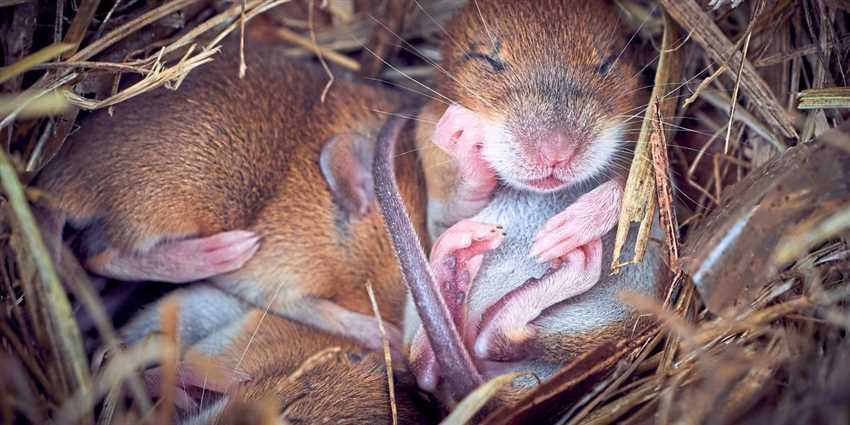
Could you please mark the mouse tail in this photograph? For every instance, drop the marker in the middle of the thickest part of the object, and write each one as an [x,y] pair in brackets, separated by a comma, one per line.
[459,372]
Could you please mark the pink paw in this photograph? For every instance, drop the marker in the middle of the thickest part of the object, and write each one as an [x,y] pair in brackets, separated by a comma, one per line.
[456,258]
[590,217]
[506,326]
[181,261]
[200,258]
[461,133]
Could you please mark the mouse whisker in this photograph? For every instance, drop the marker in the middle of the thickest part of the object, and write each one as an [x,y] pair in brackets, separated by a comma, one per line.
[406,75]
[634,36]
[413,49]
[628,143]
[686,82]
[410,89]
[259,323]
[438,25]
[405,116]
[486,28]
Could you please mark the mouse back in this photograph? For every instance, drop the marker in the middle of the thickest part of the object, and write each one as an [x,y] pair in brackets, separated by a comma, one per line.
[208,156]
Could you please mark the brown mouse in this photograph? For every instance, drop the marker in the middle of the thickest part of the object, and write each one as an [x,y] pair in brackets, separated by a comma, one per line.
[236,359]
[525,172]
[250,183]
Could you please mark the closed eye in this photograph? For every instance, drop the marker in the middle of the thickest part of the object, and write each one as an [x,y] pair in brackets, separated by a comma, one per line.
[605,67]
[492,58]
[496,64]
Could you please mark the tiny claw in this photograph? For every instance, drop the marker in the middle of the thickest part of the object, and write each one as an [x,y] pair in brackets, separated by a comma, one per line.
[556,263]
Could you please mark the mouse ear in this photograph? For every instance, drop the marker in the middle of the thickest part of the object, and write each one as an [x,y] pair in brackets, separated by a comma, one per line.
[346,164]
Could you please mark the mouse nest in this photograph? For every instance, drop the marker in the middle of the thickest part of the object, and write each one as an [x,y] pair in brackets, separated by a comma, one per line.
[753,326]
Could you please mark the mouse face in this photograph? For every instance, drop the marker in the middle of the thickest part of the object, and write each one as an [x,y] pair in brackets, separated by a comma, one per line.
[551,83]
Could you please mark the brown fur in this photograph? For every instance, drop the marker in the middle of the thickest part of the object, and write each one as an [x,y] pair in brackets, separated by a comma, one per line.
[308,376]
[339,387]
[223,154]
[569,40]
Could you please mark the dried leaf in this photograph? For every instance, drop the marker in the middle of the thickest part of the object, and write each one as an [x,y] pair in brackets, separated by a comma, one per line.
[748,238]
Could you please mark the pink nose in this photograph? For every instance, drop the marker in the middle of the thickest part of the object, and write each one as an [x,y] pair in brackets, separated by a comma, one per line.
[556,151]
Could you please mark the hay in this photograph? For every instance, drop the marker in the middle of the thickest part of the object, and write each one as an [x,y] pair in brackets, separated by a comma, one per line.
[780,358]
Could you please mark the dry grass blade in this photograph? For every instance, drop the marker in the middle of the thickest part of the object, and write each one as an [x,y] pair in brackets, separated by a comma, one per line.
[253,8]
[617,381]
[63,327]
[722,101]
[158,76]
[388,359]
[573,384]
[130,28]
[734,103]
[79,26]
[117,369]
[835,97]
[664,191]
[169,326]
[329,54]
[81,287]
[466,410]
[9,3]
[33,97]
[692,18]
[383,44]
[32,60]
[811,233]
[28,105]
[639,196]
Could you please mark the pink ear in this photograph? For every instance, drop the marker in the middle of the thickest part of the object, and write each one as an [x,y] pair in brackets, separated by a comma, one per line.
[346,164]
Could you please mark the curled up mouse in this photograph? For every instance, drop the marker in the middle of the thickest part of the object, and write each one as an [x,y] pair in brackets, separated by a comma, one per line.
[260,190]
[525,173]
[256,190]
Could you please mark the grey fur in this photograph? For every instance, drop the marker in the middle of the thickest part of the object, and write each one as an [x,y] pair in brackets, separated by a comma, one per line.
[204,310]
[522,214]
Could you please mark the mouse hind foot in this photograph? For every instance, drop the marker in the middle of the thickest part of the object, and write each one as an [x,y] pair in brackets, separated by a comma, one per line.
[506,327]
[179,261]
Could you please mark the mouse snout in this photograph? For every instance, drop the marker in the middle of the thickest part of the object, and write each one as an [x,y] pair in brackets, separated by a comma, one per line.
[555,150]
[545,159]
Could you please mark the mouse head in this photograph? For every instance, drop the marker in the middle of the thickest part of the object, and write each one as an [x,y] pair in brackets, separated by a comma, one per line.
[543,88]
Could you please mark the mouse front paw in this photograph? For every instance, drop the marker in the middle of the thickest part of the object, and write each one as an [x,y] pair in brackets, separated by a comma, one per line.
[506,329]
[461,132]
[590,217]
[456,258]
